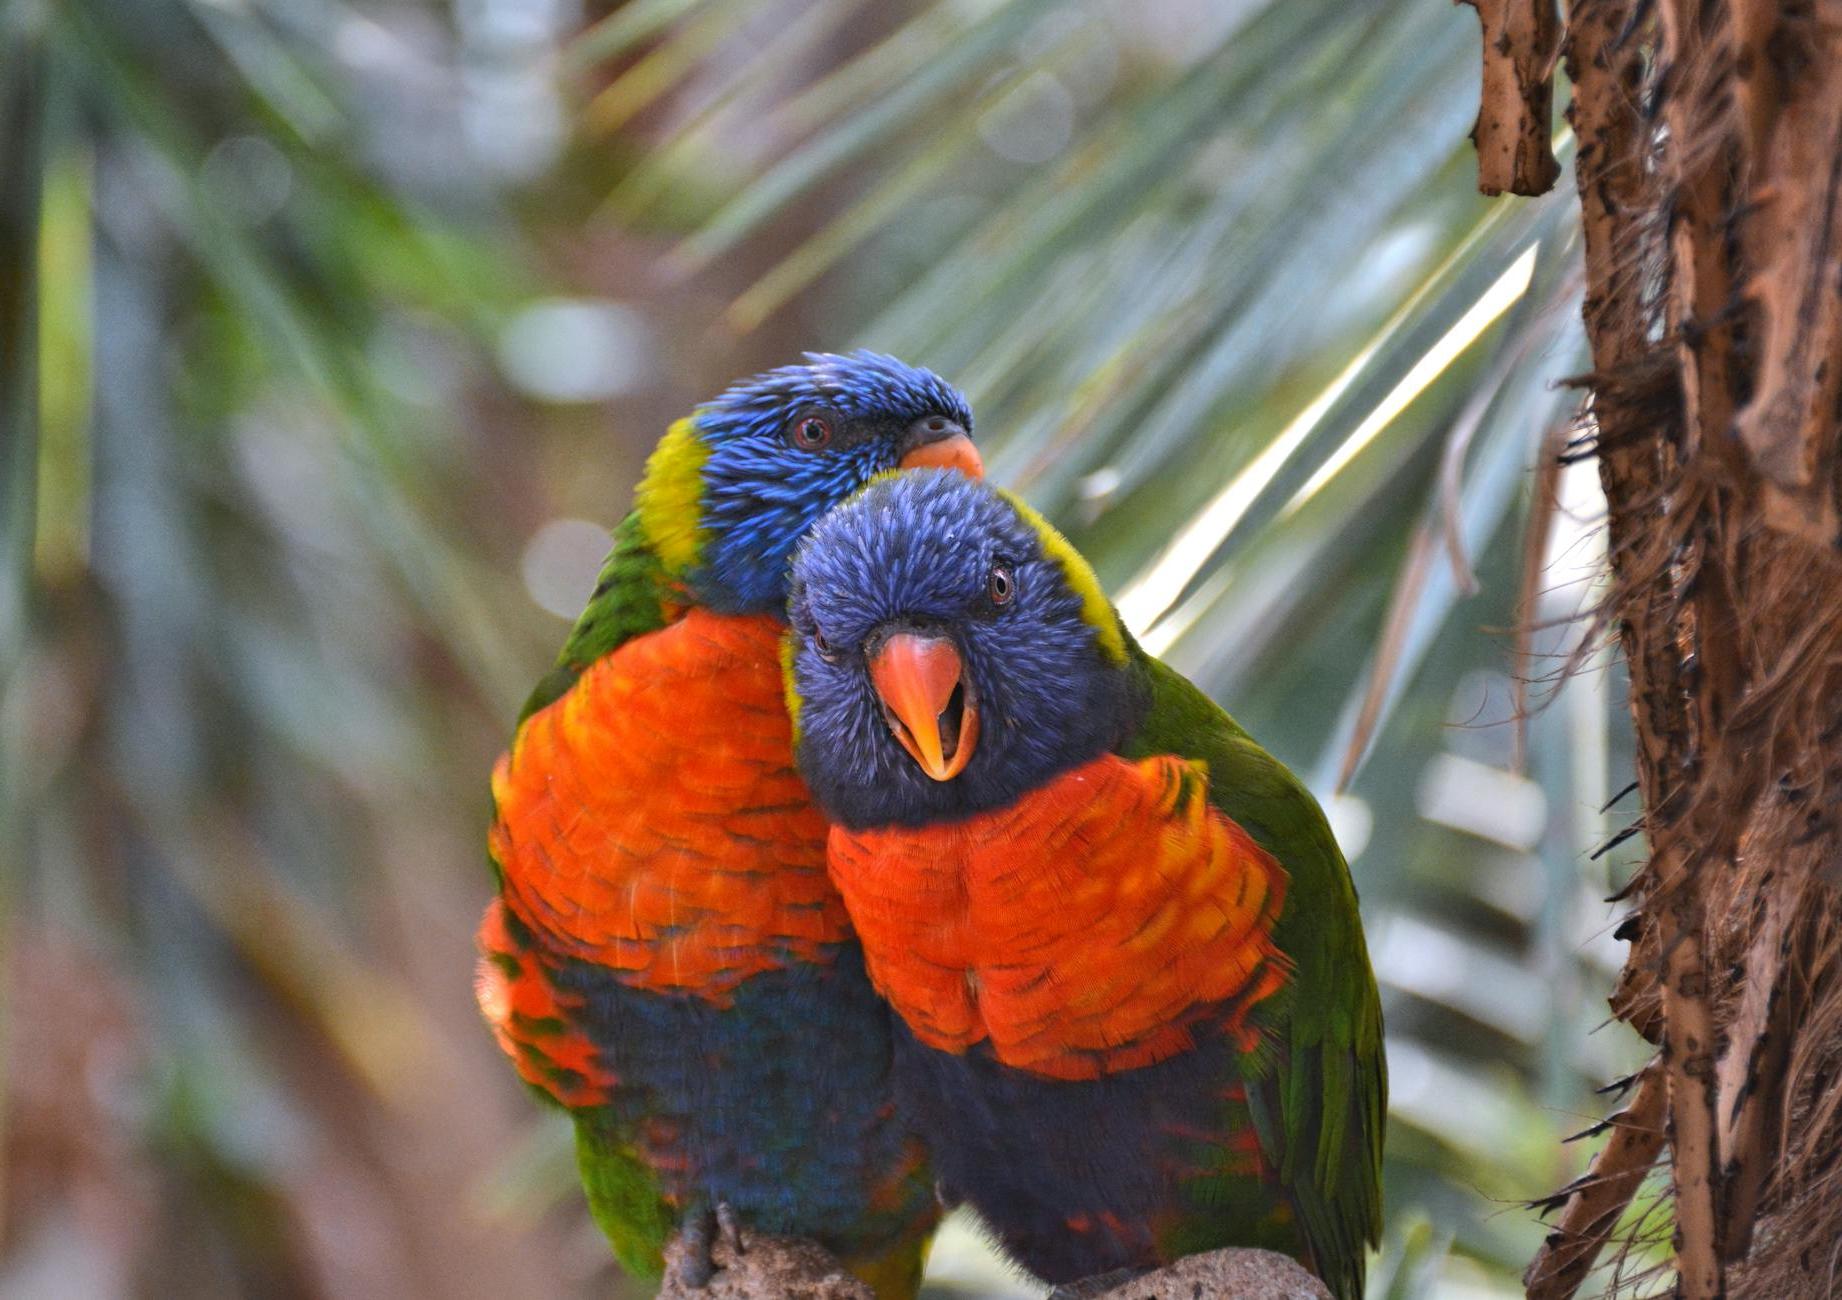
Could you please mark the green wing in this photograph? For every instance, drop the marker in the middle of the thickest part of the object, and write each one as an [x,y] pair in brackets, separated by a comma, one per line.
[1319,1094]
[630,600]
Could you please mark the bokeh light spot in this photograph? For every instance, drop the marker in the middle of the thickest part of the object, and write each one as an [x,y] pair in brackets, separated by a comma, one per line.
[1032,123]
[560,564]
[248,177]
[576,350]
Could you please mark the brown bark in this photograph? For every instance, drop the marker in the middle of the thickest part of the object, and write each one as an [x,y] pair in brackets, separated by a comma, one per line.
[1516,107]
[1710,178]
[1751,1079]
[1595,1202]
[1792,101]
[1688,1058]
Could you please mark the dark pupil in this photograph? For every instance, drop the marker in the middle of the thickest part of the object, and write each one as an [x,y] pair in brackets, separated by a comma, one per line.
[1000,585]
[812,432]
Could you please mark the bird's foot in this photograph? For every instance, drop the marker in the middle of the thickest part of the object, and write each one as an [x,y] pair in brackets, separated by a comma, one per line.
[691,1259]
[1090,1288]
[729,1227]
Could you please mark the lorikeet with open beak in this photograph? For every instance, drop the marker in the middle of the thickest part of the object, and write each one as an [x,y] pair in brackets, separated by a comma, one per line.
[1137,1017]
[666,957]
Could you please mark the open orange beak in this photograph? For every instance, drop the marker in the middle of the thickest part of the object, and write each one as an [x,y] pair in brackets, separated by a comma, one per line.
[927,702]
[938,443]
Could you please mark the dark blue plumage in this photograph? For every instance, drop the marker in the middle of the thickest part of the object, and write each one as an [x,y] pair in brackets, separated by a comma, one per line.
[760,497]
[1091,1148]
[736,1085]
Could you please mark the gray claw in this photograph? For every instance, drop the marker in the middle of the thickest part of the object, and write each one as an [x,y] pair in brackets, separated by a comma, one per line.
[692,1267]
[729,1227]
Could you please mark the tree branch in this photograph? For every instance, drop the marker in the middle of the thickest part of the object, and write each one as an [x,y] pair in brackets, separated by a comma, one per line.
[1792,234]
[1597,1201]
[1751,1078]
[765,1268]
[1515,113]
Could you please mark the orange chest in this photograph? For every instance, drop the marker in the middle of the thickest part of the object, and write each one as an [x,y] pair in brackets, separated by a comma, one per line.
[651,820]
[1087,929]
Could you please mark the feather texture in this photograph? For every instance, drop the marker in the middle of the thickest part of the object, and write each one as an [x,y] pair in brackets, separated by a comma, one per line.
[667,957]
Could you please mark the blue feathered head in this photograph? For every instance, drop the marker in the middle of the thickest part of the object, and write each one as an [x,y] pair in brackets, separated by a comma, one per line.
[948,652]
[732,489]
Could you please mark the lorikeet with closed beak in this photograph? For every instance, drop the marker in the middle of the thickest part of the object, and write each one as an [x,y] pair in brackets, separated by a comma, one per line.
[666,956]
[1137,1017]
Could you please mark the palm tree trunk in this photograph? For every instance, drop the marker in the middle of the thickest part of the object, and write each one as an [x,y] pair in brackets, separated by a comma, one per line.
[1710,177]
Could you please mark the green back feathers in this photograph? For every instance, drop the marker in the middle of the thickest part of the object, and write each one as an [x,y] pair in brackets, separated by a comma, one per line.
[623,1196]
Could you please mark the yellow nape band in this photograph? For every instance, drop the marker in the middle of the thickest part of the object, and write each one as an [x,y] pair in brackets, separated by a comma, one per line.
[1095,607]
[670,496]
[788,647]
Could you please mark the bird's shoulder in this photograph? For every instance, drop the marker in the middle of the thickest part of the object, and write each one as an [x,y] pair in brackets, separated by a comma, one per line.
[634,595]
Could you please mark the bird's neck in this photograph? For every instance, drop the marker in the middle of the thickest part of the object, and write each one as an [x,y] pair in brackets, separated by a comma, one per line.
[669,499]
[726,553]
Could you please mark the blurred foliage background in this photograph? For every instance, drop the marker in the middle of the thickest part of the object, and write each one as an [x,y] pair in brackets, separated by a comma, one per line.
[332,338]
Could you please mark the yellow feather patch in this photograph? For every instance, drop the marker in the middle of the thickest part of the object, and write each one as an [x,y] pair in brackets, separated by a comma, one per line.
[670,496]
[1095,607]
[787,682]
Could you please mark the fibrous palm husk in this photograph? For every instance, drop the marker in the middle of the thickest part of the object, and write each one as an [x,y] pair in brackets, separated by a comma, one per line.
[1710,176]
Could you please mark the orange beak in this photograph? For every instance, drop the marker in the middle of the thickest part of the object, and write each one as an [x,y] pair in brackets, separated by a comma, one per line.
[926,701]
[938,443]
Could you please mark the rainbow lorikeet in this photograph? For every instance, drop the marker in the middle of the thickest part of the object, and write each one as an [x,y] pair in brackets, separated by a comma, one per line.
[666,956]
[1137,1017]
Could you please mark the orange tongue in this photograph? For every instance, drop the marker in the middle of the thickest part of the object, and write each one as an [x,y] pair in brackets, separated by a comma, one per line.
[956,452]
[915,676]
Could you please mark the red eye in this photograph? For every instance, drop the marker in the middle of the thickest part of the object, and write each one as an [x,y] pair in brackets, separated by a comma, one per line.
[827,651]
[1000,586]
[810,432]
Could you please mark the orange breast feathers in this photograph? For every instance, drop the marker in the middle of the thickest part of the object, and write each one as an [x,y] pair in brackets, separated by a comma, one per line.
[651,820]
[1096,926]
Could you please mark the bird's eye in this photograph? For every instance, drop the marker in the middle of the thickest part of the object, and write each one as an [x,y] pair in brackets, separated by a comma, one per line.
[827,651]
[810,432]
[1000,584]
